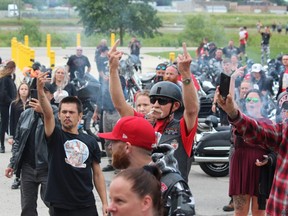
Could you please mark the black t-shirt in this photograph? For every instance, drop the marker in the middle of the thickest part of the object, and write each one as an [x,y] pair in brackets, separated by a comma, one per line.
[70,159]
[77,63]
[265,38]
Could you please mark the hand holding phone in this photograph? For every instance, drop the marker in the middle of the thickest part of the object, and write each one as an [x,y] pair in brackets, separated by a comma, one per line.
[34,93]
[224,85]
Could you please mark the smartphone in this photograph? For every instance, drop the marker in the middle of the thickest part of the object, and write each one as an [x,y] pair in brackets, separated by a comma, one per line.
[49,70]
[224,85]
[33,93]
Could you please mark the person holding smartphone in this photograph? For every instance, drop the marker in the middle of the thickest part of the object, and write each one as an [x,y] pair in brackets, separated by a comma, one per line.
[30,155]
[227,71]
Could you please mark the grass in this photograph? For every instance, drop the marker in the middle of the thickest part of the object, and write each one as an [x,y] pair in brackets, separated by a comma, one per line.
[278,44]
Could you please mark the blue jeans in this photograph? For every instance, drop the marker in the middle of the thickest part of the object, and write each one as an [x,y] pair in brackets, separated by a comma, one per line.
[31,179]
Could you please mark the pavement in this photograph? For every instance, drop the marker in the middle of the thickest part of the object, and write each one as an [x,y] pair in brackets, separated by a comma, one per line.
[210,193]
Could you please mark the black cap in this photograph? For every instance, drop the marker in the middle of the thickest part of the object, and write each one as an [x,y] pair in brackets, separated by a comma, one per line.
[49,87]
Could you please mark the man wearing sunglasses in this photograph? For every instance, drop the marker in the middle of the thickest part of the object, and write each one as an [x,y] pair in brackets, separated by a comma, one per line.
[166,98]
[160,72]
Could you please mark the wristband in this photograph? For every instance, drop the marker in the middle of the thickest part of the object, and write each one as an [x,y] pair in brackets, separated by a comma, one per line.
[186,81]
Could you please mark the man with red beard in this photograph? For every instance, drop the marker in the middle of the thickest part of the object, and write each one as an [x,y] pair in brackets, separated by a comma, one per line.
[172,74]
[132,140]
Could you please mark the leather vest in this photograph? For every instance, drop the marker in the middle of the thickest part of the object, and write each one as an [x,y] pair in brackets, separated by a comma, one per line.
[172,136]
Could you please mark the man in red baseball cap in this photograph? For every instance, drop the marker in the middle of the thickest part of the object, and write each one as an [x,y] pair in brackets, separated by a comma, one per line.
[133,139]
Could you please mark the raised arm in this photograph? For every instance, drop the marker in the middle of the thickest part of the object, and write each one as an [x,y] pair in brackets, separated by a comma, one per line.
[189,93]
[49,121]
[116,91]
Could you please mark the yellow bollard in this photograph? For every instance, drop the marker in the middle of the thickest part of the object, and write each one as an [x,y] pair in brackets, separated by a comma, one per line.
[14,49]
[112,38]
[78,40]
[48,44]
[25,56]
[18,54]
[52,59]
[171,57]
[26,40]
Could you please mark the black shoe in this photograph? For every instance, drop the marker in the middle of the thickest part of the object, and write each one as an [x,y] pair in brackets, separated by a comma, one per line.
[16,184]
[2,150]
[230,207]
[108,168]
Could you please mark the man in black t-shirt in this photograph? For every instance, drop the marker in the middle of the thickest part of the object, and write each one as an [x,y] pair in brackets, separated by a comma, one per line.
[74,159]
[78,63]
[265,48]
[230,50]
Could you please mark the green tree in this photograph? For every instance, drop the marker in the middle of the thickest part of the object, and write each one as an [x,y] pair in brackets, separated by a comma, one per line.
[32,29]
[163,2]
[119,16]
[199,26]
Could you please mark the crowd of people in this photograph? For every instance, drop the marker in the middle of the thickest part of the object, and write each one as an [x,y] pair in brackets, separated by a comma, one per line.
[151,141]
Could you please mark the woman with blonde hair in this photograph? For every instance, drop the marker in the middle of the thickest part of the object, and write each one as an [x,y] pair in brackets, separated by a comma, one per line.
[60,82]
[7,95]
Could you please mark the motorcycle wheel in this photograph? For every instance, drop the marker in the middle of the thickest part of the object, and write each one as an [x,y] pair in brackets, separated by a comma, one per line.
[215,169]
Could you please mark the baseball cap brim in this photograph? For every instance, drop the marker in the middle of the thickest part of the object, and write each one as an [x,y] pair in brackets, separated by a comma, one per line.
[108,136]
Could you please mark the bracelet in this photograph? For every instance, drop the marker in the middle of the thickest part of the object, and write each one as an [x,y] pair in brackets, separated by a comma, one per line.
[186,81]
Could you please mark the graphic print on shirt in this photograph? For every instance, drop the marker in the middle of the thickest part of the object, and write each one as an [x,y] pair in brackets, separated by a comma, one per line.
[76,153]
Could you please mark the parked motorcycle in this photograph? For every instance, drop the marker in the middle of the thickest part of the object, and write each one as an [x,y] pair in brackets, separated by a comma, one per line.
[212,146]
[133,81]
[88,90]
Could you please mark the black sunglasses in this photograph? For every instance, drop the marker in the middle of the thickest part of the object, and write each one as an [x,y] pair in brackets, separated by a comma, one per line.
[161,101]
[161,67]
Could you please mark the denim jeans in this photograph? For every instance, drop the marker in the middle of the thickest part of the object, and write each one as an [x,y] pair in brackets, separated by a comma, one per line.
[31,179]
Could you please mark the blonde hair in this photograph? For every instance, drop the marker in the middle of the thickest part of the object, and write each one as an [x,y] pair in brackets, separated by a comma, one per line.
[66,76]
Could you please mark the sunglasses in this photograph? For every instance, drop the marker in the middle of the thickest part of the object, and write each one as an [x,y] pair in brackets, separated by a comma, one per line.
[254,100]
[161,101]
[161,67]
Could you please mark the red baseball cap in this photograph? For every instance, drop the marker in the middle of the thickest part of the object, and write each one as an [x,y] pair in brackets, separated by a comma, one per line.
[135,130]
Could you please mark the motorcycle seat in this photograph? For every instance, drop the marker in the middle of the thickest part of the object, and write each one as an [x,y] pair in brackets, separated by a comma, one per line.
[222,128]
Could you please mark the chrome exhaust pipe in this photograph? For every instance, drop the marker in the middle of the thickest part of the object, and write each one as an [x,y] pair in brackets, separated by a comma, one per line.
[201,159]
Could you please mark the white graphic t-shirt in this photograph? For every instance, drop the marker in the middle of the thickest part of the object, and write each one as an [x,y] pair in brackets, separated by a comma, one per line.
[76,153]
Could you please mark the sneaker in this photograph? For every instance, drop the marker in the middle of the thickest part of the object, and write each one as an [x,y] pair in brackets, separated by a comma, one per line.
[229,207]
[16,184]
[2,150]
[108,168]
